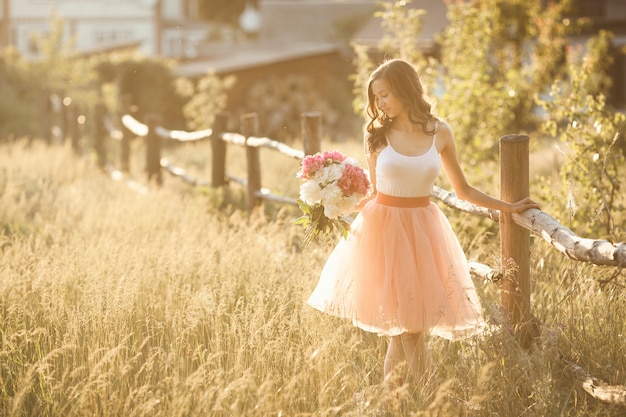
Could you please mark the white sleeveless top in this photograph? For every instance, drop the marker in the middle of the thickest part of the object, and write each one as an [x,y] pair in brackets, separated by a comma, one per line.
[400,175]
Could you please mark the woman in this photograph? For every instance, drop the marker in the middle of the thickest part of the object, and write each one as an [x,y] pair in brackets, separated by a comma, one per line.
[402,272]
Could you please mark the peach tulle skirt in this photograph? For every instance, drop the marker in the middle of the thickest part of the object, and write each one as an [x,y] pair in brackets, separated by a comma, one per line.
[401,269]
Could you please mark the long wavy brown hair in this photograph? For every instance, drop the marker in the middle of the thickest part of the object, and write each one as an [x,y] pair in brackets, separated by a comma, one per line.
[404,83]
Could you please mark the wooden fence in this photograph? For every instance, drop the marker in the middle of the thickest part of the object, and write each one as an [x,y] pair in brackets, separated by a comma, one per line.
[515,228]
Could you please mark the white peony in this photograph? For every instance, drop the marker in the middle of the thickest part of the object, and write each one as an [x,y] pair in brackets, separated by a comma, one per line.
[346,205]
[331,197]
[329,174]
[332,211]
[310,192]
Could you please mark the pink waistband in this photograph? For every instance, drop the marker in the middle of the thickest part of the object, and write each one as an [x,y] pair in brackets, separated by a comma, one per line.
[402,202]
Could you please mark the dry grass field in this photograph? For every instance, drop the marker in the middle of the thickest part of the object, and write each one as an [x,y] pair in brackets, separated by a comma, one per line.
[175,302]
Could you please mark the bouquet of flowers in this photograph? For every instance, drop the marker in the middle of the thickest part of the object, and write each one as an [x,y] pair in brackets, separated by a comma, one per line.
[332,186]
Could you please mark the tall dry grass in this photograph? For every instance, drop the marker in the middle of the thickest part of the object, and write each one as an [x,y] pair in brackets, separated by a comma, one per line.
[176,303]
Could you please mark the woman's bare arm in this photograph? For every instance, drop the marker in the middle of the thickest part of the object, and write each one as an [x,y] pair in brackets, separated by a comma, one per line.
[465,191]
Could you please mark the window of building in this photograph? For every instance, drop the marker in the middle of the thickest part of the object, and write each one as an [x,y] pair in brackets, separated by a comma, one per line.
[112,36]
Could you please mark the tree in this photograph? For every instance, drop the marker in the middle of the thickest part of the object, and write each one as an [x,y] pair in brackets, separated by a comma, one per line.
[205,98]
[27,86]
[496,56]
[17,111]
[591,136]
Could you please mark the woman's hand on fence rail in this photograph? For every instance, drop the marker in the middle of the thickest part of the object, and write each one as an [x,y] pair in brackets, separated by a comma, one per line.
[523,205]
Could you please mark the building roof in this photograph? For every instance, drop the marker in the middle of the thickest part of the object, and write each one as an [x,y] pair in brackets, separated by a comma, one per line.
[238,56]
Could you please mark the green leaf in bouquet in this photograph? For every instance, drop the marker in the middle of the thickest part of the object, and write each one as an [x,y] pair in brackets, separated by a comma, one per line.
[303,220]
[304,207]
[345,227]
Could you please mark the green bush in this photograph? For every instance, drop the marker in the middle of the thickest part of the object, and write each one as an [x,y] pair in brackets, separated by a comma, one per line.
[148,84]
[591,136]
[21,102]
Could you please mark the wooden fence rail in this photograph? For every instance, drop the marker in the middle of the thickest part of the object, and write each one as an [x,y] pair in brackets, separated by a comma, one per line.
[595,251]
[515,228]
[249,138]
[542,224]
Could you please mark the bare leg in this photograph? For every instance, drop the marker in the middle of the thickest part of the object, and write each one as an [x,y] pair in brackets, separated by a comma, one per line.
[394,357]
[416,356]
[407,348]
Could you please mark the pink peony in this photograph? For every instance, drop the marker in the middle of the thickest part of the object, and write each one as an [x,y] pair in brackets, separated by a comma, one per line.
[353,181]
[310,165]
[334,156]
[313,163]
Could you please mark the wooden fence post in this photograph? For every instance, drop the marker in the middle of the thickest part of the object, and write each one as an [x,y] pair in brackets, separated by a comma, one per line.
[47,119]
[514,239]
[98,134]
[125,105]
[153,151]
[74,112]
[218,150]
[65,117]
[310,128]
[249,128]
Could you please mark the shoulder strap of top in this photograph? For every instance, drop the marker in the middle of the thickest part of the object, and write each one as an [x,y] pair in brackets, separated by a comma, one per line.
[436,128]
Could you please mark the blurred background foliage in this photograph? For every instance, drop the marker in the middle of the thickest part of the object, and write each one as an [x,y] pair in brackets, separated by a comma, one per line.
[500,67]
[125,81]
